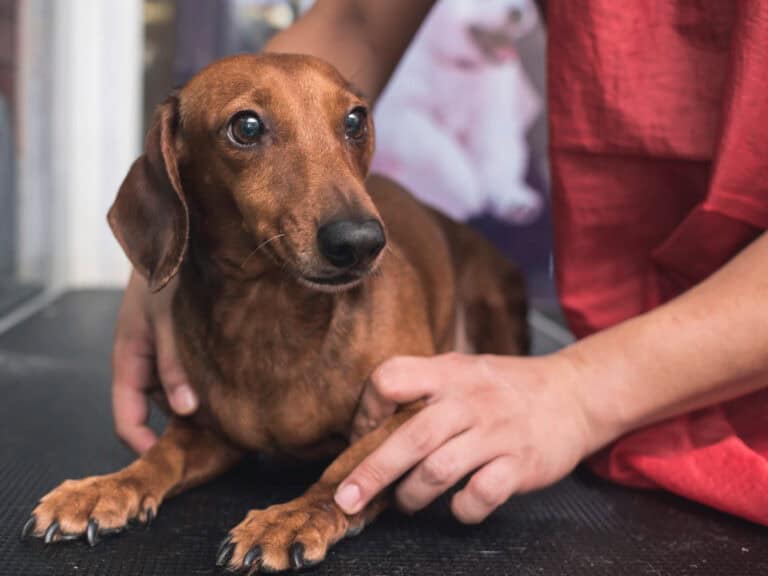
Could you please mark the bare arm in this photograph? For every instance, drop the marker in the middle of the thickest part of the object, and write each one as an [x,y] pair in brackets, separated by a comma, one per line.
[519,424]
[364,39]
[707,346]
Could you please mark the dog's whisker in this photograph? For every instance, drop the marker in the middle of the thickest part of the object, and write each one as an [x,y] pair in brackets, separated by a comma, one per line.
[259,247]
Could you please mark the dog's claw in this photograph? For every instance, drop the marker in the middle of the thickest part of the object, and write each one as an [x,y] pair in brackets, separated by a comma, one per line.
[223,545]
[29,526]
[150,517]
[225,551]
[253,555]
[92,532]
[297,555]
[51,532]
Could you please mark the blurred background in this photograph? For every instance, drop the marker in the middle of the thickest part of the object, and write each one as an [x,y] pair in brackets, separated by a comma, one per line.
[462,124]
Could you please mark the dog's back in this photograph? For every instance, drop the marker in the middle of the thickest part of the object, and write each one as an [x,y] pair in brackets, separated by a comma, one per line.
[477,297]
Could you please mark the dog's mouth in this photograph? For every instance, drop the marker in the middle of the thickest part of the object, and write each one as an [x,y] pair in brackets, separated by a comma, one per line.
[333,283]
[316,275]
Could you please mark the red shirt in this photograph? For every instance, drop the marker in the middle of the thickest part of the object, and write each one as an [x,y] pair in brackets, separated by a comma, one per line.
[659,148]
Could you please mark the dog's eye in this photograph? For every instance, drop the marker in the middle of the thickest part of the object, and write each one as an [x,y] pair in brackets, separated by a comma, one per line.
[355,124]
[245,128]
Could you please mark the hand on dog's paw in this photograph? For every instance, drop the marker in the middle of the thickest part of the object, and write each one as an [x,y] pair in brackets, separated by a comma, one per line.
[90,508]
[287,536]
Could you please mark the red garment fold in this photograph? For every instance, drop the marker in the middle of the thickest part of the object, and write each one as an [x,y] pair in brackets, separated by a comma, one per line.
[659,146]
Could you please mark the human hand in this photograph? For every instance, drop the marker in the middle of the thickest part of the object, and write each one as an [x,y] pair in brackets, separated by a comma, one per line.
[516,424]
[145,350]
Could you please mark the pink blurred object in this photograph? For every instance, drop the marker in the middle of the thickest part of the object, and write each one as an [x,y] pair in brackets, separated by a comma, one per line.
[452,124]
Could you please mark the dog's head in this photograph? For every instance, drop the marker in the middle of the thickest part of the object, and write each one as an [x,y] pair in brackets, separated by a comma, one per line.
[258,161]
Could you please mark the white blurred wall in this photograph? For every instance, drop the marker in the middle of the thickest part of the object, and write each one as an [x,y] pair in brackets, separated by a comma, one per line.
[80,93]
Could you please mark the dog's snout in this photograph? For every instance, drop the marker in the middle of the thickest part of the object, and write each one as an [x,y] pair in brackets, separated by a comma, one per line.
[346,243]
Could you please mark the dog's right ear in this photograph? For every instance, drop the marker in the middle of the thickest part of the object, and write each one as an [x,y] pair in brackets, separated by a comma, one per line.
[150,217]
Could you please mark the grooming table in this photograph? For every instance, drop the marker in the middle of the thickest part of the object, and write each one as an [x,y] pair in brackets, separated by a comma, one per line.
[56,423]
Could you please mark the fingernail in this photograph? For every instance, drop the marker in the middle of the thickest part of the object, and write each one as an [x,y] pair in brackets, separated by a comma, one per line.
[348,498]
[185,400]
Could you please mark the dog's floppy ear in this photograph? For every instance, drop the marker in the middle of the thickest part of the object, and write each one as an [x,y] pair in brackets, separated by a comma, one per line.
[150,217]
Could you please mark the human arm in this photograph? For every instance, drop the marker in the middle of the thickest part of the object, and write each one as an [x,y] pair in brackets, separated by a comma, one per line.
[523,423]
[363,39]
[144,357]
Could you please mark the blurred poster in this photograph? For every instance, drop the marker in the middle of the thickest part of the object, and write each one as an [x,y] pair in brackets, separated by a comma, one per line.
[462,125]
[452,125]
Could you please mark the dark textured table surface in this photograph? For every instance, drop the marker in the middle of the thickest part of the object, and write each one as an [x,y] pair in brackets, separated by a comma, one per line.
[55,423]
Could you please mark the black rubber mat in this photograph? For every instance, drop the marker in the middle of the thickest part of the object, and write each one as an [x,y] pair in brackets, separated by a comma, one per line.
[55,423]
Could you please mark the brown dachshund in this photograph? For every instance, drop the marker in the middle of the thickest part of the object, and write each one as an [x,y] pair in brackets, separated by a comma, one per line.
[297,278]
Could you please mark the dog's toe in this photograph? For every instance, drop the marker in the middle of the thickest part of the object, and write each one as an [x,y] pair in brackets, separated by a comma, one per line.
[288,536]
[90,508]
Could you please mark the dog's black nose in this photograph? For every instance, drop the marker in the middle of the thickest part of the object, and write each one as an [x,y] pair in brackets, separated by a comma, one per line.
[346,243]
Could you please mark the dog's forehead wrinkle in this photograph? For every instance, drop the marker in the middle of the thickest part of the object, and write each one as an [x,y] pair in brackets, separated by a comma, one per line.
[225,82]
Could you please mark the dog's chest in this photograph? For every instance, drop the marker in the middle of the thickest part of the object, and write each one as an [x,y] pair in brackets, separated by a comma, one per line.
[275,377]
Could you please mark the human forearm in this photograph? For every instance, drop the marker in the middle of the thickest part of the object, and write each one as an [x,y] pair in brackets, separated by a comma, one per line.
[518,424]
[707,346]
[364,39]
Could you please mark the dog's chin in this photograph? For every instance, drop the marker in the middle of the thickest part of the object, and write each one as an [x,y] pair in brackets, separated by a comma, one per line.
[332,284]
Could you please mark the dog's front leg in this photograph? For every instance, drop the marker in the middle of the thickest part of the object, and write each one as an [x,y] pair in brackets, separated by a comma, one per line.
[185,455]
[298,533]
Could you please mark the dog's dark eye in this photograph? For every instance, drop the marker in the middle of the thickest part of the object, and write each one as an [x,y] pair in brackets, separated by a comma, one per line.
[355,124]
[245,128]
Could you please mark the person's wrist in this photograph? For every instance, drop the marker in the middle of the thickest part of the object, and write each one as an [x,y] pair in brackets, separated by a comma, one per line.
[580,383]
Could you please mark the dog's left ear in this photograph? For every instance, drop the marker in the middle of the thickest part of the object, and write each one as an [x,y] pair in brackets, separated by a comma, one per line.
[150,217]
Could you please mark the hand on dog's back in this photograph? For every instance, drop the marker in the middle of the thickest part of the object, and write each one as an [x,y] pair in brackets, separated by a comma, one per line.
[144,350]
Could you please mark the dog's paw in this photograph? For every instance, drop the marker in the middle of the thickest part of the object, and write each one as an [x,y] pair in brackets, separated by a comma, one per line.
[91,508]
[287,536]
